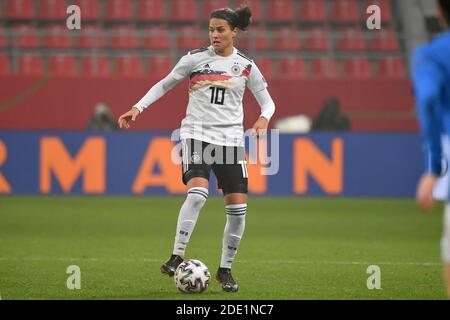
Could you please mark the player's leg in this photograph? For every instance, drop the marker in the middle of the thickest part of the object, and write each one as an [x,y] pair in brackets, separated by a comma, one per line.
[187,218]
[445,246]
[236,209]
[196,177]
[233,181]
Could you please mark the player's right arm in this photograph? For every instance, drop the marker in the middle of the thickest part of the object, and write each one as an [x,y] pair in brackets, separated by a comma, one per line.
[179,72]
[428,80]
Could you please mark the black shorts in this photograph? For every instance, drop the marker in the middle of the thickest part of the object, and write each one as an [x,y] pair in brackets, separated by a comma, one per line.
[228,164]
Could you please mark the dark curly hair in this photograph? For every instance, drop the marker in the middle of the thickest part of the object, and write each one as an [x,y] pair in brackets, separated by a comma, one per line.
[239,18]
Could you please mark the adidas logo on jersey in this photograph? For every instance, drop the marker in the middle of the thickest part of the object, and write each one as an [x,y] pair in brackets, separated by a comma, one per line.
[206,66]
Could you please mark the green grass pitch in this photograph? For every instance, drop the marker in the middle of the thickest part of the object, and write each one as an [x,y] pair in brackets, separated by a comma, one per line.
[293,248]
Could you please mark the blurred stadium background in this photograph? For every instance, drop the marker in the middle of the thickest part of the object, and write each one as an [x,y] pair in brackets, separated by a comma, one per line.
[292,41]
[52,81]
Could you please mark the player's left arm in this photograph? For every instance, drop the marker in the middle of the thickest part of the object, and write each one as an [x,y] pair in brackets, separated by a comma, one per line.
[267,110]
[258,85]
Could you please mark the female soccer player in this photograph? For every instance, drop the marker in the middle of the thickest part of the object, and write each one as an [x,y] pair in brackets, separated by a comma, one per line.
[212,132]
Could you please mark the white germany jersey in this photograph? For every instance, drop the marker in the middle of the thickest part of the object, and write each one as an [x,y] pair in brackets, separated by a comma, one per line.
[216,89]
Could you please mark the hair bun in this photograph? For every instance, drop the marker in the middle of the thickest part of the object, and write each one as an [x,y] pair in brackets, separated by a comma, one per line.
[244,15]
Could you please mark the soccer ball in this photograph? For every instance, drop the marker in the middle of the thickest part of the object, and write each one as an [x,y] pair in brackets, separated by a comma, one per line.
[192,276]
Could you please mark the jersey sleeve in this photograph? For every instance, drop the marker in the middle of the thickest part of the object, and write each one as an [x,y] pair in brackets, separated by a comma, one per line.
[428,81]
[266,103]
[180,71]
[156,92]
[256,81]
[183,68]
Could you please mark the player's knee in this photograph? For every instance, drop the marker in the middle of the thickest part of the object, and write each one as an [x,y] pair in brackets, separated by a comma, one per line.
[197,196]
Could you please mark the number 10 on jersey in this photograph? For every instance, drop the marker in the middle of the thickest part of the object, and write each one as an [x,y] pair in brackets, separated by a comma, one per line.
[217,95]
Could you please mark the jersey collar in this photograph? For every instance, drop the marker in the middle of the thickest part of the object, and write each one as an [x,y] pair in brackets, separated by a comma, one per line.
[221,57]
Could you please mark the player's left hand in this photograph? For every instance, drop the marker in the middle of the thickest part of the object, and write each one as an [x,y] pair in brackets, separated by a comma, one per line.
[259,129]
[424,193]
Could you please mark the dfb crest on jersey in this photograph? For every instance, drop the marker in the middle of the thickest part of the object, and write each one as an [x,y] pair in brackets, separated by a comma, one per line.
[235,69]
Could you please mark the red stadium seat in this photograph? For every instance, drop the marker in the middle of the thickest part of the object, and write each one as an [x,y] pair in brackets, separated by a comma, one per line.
[255,6]
[90,36]
[386,10]
[280,11]
[159,66]
[312,11]
[20,9]
[129,66]
[256,39]
[183,10]
[325,68]
[385,7]
[97,66]
[119,10]
[123,37]
[357,67]
[211,5]
[63,66]
[31,65]
[25,36]
[90,9]
[189,38]
[57,36]
[3,40]
[392,67]
[351,39]
[265,65]
[344,11]
[292,67]
[156,38]
[286,38]
[317,39]
[151,10]
[385,40]
[5,65]
[53,10]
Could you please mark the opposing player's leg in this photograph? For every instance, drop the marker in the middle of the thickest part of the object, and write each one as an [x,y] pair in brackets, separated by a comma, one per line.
[233,181]
[195,176]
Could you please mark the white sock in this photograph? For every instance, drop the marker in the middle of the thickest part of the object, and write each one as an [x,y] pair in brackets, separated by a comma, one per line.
[187,218]
[234,229]
[445,239]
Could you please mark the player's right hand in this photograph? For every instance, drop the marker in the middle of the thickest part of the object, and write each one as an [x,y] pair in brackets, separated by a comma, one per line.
[124,120]
[424,194]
